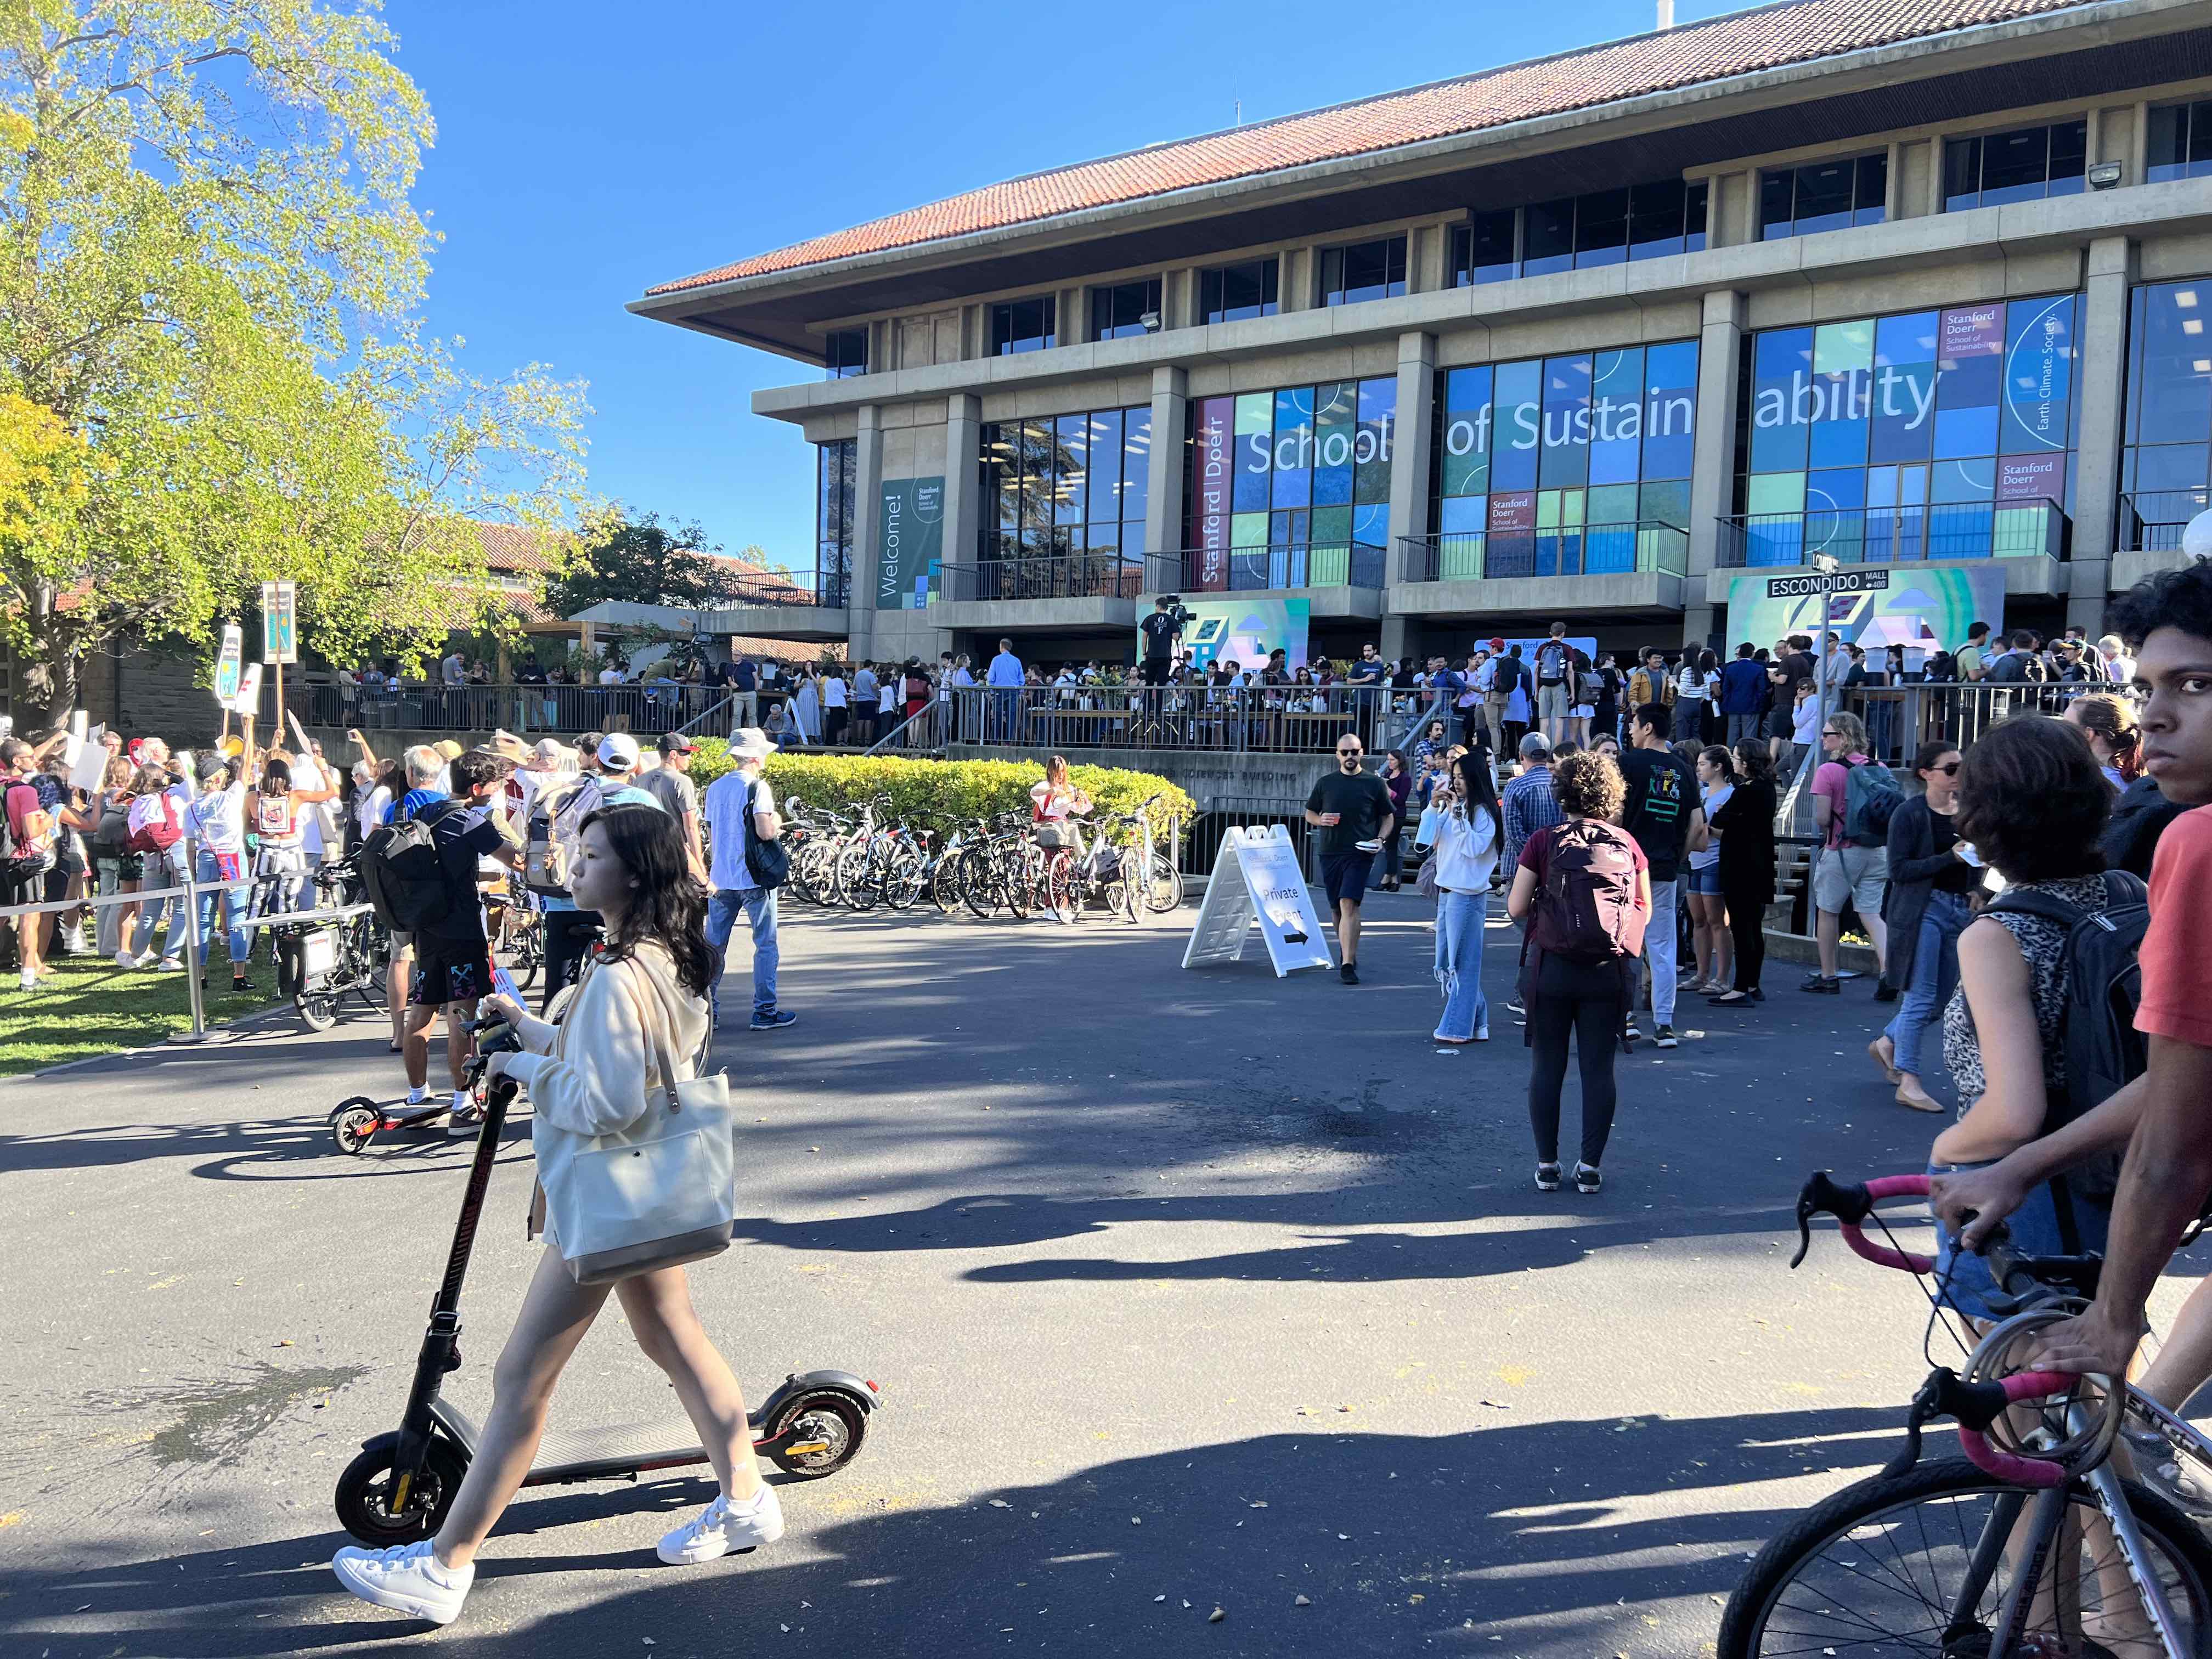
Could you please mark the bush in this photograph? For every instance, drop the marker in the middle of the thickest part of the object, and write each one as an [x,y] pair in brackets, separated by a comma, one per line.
[942,794]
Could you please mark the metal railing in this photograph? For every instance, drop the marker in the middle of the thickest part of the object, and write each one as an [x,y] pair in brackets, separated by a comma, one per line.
[1277,719]
[1643,545]
[1056,576]
[2152,521]
[825,588]
[1884,535]
[1249,570]
[652,707]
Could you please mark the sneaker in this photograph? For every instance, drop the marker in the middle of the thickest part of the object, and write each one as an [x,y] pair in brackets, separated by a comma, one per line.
[1587,1179]
[239,984]
[171,965]
[1885,992]
[27,981]
[775,1020]
[125,961]
[1514,1003]
[1823,985]
[725,1528]
[465,1119]
[1664,1035]
[149,957]
[406,1579]
[1349,972]
[73,941]
[1629,1032]
[1547,1177]
[2186,1487]
[418,1096]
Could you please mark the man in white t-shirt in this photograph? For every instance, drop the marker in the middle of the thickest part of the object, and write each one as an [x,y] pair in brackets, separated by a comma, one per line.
[739,805]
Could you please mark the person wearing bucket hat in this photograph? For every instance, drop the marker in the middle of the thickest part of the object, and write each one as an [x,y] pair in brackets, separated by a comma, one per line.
[739,805]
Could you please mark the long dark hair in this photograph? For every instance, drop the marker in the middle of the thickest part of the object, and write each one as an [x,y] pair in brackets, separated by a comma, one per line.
[670,905]
[1477,791]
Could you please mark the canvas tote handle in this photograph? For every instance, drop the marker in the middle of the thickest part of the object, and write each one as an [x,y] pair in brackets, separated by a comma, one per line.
[659,1050]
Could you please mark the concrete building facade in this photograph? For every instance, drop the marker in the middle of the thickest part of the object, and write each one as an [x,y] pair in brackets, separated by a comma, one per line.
[1620,336]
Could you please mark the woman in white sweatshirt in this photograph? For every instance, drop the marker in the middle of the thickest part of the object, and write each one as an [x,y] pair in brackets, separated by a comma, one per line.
[591,1077]
[1469,835]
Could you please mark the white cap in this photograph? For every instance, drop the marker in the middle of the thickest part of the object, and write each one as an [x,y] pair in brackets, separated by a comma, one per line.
[547,753]
[749,743]
[619,752]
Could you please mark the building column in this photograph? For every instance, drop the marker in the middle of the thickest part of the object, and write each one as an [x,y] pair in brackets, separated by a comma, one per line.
[1164,480]
[868,532]
[1712,466]
[963,505]
[2100,361]
[1411,436]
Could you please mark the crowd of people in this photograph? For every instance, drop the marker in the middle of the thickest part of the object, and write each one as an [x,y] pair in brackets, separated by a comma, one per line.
[1641,861]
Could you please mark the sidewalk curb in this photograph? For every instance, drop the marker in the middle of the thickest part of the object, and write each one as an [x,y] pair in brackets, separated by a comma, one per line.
[230,1032]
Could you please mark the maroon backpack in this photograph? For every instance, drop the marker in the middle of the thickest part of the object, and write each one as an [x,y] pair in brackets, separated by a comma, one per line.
[1587,911]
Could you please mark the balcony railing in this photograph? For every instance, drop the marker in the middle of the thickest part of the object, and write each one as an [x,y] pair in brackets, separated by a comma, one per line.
[825,588]
[1297,720]
[1245,569]
[1643,544]
[561,710]
[1885,535]
[1057,576]
[2152,521]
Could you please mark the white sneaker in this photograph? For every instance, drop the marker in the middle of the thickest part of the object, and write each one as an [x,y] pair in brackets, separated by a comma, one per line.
[125,961]
[173,964]
[406,1579]
[418,1096]
[149,958]
[26,981]
[723,1527]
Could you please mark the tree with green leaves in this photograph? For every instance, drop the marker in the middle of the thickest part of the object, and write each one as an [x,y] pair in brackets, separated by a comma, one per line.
[211,280]
[640,559]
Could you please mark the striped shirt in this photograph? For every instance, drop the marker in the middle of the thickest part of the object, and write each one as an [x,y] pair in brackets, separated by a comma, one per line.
[1528,803]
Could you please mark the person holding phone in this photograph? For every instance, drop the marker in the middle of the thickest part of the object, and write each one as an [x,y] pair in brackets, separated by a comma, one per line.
[1350,806]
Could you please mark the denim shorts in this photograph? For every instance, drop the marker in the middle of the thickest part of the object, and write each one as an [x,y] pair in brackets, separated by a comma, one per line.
[1706,881]
[1964,1277]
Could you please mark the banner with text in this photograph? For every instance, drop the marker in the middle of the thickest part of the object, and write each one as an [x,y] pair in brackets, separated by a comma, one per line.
[1871,605]
[910,544]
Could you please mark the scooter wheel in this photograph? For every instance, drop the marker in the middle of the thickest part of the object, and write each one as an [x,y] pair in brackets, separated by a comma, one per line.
[317,1010]
[364,1493]
[353,1124]
[817,1434]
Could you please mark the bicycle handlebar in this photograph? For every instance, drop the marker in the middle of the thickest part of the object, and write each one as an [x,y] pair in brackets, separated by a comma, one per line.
[1975,1407]
[1851,1205]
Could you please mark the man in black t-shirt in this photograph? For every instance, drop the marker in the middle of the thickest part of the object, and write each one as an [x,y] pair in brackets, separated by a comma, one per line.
[1663,810]
[1160,630]
[1353,810]
[453,955]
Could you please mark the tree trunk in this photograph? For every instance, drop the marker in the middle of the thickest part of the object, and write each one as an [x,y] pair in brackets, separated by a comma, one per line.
[48,692]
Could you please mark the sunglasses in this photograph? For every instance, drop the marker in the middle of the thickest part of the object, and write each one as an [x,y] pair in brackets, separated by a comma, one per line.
[1950,771]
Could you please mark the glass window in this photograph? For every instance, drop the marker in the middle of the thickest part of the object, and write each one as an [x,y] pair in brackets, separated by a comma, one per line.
[1819,196]
[836,471]
[2025,165]
[1119,309]
[1658,219]
[845,353]
[2180,145]
[1303,468]
[1482,248]
[1024,325]
[1065,484]
[1547,232]
[1230,293]
[1363,271]
[1601,228]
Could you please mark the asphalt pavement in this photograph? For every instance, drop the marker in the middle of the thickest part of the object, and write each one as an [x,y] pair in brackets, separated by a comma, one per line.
[1188,1291]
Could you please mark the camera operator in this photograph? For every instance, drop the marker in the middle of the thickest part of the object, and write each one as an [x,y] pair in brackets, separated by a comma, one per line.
[1163,632]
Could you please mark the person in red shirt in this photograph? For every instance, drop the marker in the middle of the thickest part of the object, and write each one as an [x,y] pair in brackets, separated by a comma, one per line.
[2161,1117]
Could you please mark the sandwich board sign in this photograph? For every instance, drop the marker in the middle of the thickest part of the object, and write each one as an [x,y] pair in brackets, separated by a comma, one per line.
[1256,878]
[280,623]
[225,666]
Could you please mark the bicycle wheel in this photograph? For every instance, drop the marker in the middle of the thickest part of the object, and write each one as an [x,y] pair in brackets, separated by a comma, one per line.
[902,878]
[978,879]
[1163,886]
[1883,1567]
[858,880]
[1018,870]
[944,884]
[1056,886]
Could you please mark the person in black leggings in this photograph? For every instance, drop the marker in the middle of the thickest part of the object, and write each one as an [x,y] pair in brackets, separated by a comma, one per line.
[1584,999]
[1744,827]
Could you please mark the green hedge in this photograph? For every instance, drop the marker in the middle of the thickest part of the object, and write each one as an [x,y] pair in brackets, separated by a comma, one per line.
[940,794]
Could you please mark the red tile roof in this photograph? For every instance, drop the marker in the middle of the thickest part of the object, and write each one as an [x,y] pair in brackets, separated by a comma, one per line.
[1740,43]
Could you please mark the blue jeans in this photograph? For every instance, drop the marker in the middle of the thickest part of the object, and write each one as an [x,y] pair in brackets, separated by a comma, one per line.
[1964,1278]
[206,869]
[1934,976]
[1661,945]
[759,906]
[1460,921]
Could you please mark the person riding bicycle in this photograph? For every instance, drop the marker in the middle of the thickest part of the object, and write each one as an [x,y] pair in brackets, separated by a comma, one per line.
[2160,1116]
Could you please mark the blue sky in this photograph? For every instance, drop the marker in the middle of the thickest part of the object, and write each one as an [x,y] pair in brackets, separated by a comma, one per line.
[587,151]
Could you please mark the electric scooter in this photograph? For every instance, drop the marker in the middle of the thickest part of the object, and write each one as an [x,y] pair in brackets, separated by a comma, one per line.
[400,1486]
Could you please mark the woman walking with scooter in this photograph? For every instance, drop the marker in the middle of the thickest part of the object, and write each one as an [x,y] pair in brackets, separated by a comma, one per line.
[600,1074]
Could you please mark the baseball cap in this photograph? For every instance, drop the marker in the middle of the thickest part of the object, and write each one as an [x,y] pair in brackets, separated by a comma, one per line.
[1498,645]
[1535,746]
[675,743]
[549,751]
[619,752]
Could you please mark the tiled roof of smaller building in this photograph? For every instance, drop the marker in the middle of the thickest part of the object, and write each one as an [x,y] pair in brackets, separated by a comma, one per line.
[1739,43]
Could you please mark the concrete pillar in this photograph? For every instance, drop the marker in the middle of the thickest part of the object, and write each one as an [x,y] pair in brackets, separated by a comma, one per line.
[2100,362]
[1712,466]
[964,507]
[1163,503]
[1411,434]
[1393,643]
[867,530]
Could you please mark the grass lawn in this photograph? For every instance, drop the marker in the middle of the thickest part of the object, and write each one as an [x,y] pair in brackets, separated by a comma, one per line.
[90,1006]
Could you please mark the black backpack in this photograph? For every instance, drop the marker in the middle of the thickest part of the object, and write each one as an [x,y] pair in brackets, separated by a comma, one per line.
[2103,1051]
[766,861]
[406,872]
[1509,670]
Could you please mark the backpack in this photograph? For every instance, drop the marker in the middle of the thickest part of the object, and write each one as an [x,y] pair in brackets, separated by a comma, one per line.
[36,842]
[1586,912]
[109,839]
[766,861]
[1871,798]
[154,824]
[1552,661]
[404,871]
[1593,686]
[1510,670]
[2097,1026]
[556,817]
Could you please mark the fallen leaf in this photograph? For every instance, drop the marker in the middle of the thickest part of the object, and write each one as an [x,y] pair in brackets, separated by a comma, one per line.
[1216,1616]
[1302,1602]
[1000,1503]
